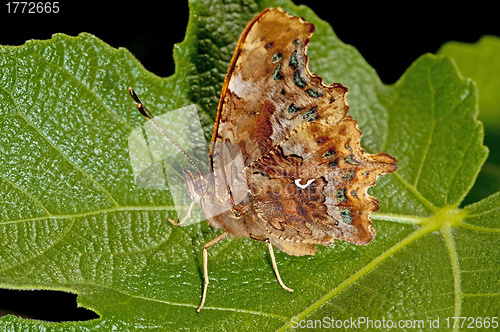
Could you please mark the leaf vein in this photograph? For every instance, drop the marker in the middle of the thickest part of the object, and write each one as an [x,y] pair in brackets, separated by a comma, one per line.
[42,253]
[35,200]
[415,191]
[431,133]
[476,228]
[360,273]
[452,251]
[455,175]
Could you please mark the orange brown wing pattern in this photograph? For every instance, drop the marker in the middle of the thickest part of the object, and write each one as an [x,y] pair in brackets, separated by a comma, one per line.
[268,89]
[335,204]
[306,172]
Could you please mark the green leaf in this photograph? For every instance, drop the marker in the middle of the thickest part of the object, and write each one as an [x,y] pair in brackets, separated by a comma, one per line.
[481,62]
[72,218]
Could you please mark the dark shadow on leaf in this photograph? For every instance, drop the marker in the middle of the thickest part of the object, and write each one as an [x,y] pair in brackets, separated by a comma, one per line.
[52,306]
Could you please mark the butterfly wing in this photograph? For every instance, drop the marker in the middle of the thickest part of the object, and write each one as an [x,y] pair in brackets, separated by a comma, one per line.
[313,187]
[306,172]
[268,89]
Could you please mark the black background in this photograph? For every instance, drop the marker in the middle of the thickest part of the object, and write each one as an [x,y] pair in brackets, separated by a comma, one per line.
[389,36]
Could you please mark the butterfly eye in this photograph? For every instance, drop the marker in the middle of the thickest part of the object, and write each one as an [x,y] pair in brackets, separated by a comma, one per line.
[201,186]
[303,186]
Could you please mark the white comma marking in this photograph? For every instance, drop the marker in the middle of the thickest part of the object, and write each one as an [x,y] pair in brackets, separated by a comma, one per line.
[303,186]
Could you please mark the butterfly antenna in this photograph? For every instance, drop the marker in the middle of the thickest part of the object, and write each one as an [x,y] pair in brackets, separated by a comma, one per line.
[150,117]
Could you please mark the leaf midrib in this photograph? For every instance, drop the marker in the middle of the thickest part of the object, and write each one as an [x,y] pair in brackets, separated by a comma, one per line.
[455,268]
[94,212]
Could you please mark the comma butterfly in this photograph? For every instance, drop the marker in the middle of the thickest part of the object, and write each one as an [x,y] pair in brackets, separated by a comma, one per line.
[302,177]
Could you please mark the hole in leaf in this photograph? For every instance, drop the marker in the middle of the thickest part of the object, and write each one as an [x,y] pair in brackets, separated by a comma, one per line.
[52,306]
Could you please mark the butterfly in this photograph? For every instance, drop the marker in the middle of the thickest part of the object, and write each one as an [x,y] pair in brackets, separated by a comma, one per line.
[285,164]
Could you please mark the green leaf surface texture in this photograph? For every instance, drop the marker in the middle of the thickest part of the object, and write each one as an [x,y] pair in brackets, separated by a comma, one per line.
[481,62]
[72,218]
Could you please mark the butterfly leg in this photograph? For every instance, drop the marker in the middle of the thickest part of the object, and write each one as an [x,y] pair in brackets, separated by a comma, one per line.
[275,267]
[185,217]
[205,265]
